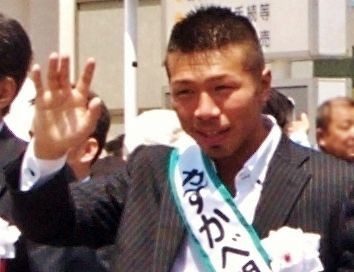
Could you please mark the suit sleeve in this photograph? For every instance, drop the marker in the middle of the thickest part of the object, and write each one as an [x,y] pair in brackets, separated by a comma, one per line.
[61,212]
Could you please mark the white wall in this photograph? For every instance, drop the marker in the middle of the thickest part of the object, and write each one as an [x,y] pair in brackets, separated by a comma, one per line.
[17,9]
[40,19]
[44,29]
[100,34]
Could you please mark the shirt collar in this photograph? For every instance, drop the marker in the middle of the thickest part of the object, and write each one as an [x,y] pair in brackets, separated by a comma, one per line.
[257,165]
[86,179]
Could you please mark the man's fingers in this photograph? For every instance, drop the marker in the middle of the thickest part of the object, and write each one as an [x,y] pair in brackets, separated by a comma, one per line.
[303,116]
[83,85]
[94,110]
[53,73]
[36,77]
[64,74]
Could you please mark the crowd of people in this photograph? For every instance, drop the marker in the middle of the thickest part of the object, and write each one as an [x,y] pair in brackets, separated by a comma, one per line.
[230,183]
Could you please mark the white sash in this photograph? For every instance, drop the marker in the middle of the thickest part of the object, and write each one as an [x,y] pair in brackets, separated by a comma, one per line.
[218,231]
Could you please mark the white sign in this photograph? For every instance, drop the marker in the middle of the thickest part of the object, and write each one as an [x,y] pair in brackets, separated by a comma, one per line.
[287,29]
[333,30]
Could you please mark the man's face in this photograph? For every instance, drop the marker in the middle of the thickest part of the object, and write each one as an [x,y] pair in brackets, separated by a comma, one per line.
[218,102]
[338,139]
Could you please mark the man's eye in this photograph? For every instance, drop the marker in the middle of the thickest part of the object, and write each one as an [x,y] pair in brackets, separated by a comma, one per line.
[183,92]
[222,88]
[344,126]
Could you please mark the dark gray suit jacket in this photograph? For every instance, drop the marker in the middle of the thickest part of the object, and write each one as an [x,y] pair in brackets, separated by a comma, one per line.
[11,148]
[133,209]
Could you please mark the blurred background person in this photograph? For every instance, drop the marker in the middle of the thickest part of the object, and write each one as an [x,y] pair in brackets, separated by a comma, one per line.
[19,118]
[114,147]
[113,159]
[15,61]
[335,127]
[282,108]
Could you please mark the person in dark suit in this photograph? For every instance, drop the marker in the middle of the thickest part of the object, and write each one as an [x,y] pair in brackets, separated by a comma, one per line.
[196,207]
[283,109]
[15,60]
[114,159]
[335,127]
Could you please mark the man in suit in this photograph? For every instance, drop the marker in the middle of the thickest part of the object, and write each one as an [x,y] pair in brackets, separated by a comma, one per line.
[335,127]
[15,60]
[283,109]
[198,207]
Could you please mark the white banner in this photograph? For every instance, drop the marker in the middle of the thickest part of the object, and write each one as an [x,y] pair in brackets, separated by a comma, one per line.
[287,29]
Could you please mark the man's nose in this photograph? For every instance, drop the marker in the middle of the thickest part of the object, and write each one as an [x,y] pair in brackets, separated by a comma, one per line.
[351,131]
[207,107]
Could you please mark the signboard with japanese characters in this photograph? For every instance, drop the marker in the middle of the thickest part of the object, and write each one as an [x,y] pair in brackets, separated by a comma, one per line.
[287,29]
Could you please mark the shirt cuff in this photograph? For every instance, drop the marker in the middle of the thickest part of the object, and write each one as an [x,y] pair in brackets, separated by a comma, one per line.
[34,169]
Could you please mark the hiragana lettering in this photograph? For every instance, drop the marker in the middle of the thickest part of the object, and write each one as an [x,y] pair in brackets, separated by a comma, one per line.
[195,198]
[214,221]
[250,267]
[237,251]
[222,215]
[191,175]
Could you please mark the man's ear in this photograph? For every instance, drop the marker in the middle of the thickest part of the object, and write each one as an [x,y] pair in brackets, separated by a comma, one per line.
[266,80]
[8,88]
[89,150]
[320,137]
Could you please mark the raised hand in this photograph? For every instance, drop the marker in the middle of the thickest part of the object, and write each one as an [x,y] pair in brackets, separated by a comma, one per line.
[63,116]
[300,124]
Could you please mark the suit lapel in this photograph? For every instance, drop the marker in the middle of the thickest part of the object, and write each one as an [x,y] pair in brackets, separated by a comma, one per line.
[10,146]
[283,185]
[170,234]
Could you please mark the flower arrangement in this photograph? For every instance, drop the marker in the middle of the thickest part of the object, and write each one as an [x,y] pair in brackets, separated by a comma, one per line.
[9,234]
[292,250]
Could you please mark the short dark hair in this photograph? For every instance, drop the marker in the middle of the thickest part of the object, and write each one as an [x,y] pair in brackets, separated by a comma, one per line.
[279,106]
[323,116]
[15,52]
[102,126]
[115,146]
[214,27]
